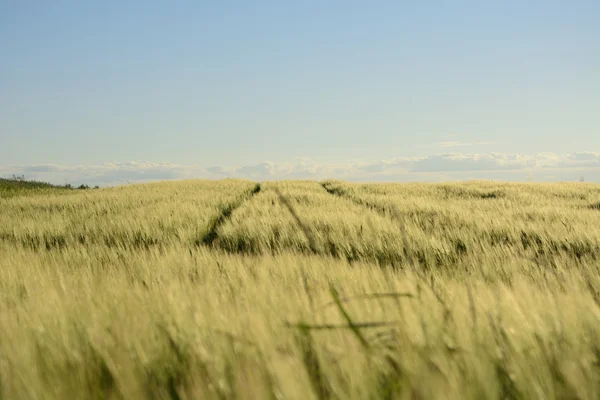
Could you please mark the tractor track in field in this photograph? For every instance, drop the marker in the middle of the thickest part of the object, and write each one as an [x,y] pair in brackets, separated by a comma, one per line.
[312,243]
[392,213]
[211,235]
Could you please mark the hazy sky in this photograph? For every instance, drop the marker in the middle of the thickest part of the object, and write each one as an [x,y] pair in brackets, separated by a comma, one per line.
[231,84]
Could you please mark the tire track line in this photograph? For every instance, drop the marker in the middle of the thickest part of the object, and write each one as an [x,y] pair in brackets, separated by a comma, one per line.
[391,212]
[211,235]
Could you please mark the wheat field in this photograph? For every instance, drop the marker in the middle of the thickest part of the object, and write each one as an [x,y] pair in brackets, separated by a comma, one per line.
[301,290]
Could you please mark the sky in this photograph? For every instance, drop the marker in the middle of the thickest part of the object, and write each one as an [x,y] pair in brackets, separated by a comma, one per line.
[122,91]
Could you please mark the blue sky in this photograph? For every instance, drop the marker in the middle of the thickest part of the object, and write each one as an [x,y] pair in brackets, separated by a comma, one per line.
[229,88]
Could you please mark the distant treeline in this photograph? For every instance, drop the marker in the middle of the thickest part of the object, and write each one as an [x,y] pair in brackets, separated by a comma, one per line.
[19,181]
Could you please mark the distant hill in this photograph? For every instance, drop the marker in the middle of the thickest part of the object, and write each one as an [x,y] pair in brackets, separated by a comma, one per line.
[25,184]
[18,185]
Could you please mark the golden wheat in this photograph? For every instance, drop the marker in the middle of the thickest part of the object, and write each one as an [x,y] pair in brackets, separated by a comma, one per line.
[299,290]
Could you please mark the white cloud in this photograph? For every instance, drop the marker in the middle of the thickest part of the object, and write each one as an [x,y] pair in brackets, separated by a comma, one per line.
[449,166]
[463,144]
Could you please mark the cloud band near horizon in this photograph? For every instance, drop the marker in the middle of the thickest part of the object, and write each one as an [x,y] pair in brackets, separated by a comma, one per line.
[434,168]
